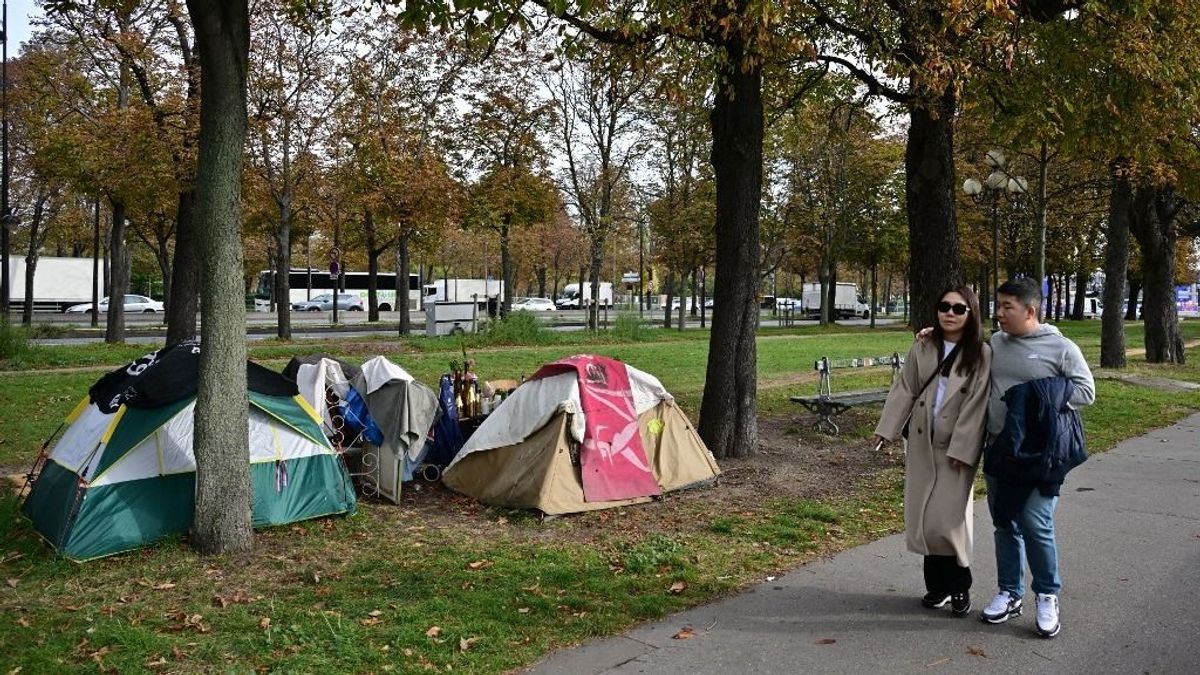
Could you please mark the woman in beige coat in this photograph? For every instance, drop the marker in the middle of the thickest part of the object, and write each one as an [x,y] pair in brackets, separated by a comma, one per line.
[941,397]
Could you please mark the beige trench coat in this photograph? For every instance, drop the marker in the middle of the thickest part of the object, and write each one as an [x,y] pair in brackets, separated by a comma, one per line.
[937,497]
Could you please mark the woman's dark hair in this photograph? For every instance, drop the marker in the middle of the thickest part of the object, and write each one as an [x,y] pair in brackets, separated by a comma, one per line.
[970,345]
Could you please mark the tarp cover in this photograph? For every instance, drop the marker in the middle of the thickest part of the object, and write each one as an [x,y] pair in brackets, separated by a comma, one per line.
[171,374]
[613,460]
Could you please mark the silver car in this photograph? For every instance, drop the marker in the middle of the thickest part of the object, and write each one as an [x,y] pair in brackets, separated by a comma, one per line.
[133,304]
[324,303]
[534,305]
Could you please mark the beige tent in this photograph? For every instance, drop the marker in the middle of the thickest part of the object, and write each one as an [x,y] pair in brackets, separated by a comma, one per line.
[526,454]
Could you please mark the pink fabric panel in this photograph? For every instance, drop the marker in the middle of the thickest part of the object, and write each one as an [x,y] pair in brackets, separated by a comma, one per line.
[612,460]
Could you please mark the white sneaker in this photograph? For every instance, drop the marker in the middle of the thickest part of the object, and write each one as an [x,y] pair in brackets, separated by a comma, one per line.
[1047,615]
[1002,607]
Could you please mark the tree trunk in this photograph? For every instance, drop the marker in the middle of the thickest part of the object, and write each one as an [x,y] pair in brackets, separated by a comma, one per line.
[223,500]
[683,300]
[1116,265]
[1131,304]
[670,296]
[932,221]
[727,413]
[541,281]
[184,299]
[1153,222]
[283,279]
[1081,279]
[114,331]
[597,258]
[506,269]
[373,253]
[403,264]
[1040,217]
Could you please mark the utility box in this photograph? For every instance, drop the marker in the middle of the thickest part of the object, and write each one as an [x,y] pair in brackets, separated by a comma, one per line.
[449,318]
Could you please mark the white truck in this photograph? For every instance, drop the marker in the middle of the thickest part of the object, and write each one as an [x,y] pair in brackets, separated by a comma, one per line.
[848,303]
[58,283]
[462,290]
[570,299]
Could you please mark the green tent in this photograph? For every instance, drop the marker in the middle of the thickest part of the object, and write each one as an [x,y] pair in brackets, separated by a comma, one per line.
[122,474]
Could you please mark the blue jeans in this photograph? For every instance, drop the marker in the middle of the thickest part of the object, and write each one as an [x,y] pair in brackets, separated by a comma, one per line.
[1032,537]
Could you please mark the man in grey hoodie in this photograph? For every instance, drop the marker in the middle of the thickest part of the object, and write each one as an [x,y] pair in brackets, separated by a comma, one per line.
[1025,350]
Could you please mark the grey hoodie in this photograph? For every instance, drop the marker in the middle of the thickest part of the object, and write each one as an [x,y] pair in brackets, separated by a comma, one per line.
[1044,352]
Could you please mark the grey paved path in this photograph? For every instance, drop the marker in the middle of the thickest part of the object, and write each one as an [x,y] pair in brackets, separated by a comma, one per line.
[1129,546]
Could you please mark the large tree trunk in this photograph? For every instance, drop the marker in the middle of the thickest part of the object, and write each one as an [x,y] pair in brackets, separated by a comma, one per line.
[727,413]
[114,330]
[36,237]
[1116,265]
[184,299]
[1153,223]
[222,521]
[932,220]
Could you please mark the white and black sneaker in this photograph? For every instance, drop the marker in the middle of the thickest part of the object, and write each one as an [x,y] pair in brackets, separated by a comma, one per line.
[935,599]
[1047,615]
[1002,608]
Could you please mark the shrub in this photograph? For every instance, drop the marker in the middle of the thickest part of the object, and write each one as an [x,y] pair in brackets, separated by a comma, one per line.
[14,341]
[630,328]
[518,328]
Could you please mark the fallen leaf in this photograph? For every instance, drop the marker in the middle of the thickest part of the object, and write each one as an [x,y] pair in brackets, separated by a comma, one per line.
[23,622]
[433,631]
[684,634]
[523,610]
[241,597]
[264,623]
[976,651]
[164,586]
[220,601]
[408,652]
[12,583]
[826,641]
[466,643]
[677,587]
[155,662]
[479,564]
[374,612]
[369,621]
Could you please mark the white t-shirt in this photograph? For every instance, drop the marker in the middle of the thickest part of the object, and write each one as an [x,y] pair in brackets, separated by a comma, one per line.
[947,346]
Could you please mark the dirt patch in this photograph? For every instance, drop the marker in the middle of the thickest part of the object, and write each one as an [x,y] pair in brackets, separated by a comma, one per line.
[793,462]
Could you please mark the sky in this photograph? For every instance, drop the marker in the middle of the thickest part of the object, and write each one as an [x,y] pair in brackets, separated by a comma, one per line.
[18,23]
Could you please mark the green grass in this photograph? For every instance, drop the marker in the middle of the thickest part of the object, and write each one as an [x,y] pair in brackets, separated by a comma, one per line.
[502,588]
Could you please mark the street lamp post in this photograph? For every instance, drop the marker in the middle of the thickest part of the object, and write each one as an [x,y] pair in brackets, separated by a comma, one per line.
[999,183]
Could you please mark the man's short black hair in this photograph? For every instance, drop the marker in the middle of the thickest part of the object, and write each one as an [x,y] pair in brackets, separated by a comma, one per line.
[1026,290]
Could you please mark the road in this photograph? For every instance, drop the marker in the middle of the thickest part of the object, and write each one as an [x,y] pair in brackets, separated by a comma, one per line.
[143,328]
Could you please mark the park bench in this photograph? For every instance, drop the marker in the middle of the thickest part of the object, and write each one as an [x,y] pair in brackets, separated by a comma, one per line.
[827,405]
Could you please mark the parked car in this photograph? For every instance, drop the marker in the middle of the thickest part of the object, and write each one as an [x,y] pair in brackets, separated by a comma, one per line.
[708,304]
[534,305]
[133,304]
[787,303]
[571,302]
[324,303]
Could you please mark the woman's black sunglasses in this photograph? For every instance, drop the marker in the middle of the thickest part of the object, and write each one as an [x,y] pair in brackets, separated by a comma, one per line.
[957,307]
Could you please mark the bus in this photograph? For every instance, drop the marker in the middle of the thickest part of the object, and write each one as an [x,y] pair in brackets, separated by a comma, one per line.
[352,282]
